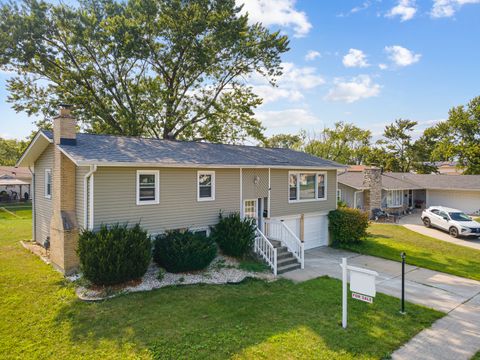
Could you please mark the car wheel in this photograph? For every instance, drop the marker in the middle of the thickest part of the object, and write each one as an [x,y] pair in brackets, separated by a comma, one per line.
[453,232]
[427,222]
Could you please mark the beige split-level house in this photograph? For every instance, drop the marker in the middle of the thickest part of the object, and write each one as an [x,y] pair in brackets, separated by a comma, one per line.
[82,181]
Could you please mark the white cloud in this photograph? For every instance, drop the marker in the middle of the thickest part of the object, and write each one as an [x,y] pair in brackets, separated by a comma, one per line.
[364,6]
[293,81]
[382,66]
[312,55]
[357,88]
[402,56]
[277,12]
[447,8]
[405,9]
[289,118]
[355,58]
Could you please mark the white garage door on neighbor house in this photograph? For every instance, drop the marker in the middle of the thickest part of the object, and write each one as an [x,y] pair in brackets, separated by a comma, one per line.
[467,201]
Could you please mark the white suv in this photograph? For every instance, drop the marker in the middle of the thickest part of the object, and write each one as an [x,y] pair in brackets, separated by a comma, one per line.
[452,220]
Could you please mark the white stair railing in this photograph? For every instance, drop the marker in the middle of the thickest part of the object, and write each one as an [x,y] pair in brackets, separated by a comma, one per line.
[277,230]
[266,250]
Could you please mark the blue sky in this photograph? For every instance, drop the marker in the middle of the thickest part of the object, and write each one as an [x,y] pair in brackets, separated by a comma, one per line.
[370,62]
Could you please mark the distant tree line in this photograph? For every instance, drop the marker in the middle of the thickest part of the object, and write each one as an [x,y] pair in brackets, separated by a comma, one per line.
[455,139]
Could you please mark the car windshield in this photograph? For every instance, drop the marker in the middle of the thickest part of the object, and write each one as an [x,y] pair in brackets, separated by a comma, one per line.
[458,216]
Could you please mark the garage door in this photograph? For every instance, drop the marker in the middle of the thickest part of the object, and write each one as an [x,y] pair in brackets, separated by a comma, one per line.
[467,201]
[315,229]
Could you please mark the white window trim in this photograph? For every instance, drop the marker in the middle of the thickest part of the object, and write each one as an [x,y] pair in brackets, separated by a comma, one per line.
[157,187]
[298,200]
[212,174]
[390,197]
[339,194]
[47,173]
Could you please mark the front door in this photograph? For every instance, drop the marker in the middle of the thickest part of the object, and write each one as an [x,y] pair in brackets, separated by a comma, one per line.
[250,209]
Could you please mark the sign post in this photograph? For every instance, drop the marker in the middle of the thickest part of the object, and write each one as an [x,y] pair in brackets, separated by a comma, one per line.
[403,255]
[362,285]
[344,292]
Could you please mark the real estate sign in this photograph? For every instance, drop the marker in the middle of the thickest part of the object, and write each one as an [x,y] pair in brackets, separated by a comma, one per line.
[362,286]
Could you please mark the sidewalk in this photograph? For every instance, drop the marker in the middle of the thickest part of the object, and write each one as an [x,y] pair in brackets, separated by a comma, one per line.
[455,336]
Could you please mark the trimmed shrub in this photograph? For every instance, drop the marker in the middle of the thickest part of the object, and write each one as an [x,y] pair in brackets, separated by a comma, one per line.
[347,225]
[179,251]
[114,254]
[235,236]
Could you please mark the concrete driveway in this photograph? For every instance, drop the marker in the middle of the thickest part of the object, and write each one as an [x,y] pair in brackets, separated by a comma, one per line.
[456,336]
[414,222]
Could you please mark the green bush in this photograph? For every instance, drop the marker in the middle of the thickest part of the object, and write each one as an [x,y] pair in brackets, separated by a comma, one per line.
[347,225]
[114,254]
[235,236]
[179,251]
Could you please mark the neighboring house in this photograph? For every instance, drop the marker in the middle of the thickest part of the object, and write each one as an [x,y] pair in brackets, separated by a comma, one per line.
[14,184]
[398,191]
[82,181]
[447,167]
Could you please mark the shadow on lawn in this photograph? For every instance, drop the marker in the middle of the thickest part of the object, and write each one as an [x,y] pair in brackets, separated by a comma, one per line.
[267,319]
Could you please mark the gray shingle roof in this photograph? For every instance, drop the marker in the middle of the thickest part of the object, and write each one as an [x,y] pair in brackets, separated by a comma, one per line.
[432,181]
[103,149]
[406,181]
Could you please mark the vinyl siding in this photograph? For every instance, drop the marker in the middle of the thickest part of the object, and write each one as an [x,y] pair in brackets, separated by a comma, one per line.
[279,193]
[348,196]
[43,206]
[115,198]
[79,195]
[252,190]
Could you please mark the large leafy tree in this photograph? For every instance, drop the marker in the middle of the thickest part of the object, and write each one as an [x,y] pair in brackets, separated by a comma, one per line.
[162,68]
[396,150]
[11,150]
[458,138]
[286,141]
[345,143]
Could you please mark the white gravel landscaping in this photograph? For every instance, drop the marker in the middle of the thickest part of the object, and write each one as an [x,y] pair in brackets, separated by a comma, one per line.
[222,270]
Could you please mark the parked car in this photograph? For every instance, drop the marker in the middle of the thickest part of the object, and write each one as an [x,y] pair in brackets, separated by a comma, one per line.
[452,220]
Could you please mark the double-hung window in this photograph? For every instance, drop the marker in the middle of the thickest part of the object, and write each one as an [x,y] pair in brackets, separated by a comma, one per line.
[206,185]
[394,198]
[148,187]
[48,183]
[307,186]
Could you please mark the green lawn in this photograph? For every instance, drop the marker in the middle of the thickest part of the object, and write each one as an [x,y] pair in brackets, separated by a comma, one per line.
[388,241]
[41,317]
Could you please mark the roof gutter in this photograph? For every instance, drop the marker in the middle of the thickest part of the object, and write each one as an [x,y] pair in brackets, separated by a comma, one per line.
[88,177]
[203,166]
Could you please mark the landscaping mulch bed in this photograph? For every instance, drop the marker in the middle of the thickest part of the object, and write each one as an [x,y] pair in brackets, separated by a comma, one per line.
[222,270]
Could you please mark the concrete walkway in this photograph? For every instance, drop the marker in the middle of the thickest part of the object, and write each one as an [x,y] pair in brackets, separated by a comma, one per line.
[456,336]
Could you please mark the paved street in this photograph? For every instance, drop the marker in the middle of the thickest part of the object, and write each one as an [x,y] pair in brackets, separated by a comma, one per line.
[456,336]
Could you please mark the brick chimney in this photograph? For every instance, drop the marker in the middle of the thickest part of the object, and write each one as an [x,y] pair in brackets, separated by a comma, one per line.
[372,180]
[63,226]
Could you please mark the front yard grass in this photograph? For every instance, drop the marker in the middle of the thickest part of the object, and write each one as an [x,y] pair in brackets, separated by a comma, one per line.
[388,241]
[42,318]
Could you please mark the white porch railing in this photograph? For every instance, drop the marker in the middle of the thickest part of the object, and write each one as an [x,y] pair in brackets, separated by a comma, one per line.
[266,250]
[277,230]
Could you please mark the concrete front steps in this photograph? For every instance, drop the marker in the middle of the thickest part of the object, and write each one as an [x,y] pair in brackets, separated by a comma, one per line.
[285,260]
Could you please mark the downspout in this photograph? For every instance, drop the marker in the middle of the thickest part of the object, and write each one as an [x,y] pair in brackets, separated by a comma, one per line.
[86,203]
[241,193]
[32,196]
[269,194]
